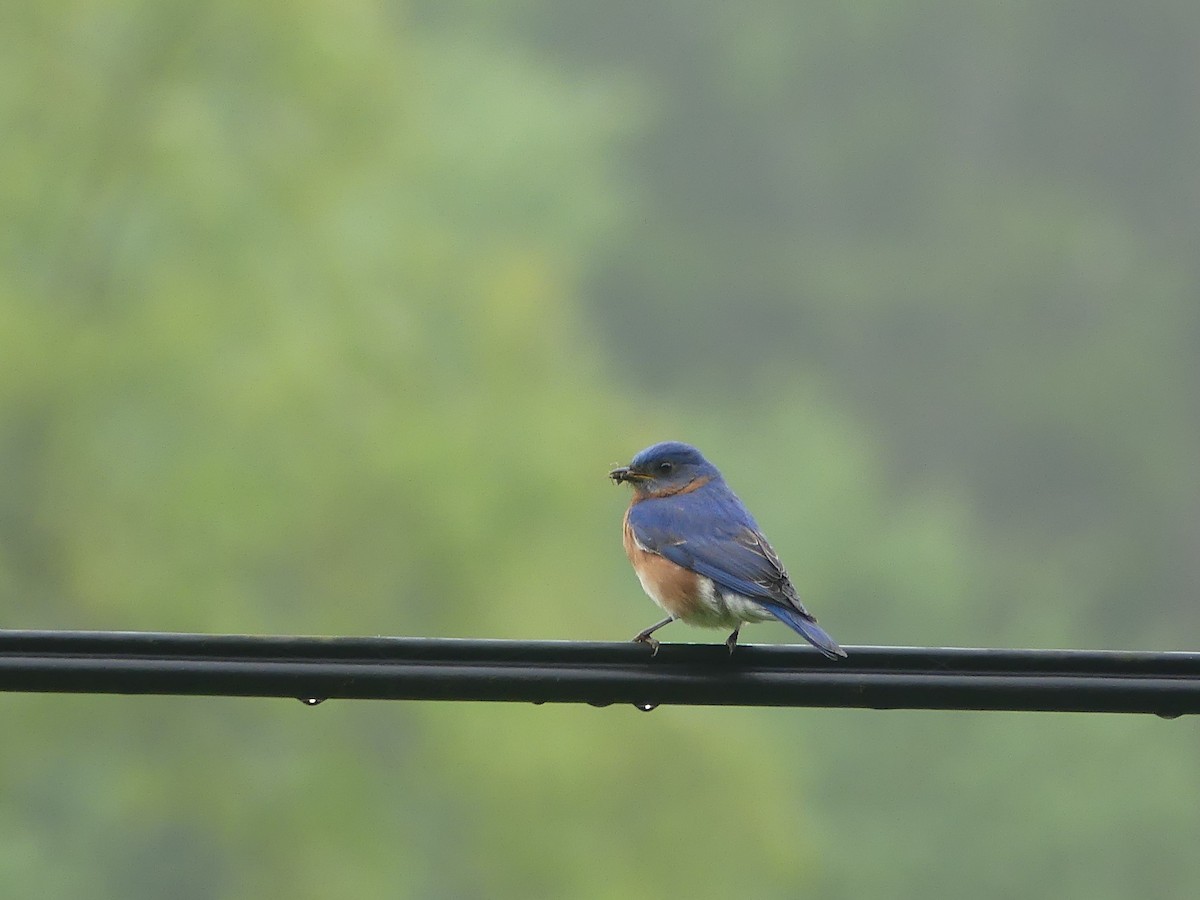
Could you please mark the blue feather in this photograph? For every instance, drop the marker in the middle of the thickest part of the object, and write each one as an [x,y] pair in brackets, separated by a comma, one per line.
[807,628]
[710,532]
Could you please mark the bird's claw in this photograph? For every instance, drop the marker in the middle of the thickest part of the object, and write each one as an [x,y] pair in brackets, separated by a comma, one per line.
[649,642]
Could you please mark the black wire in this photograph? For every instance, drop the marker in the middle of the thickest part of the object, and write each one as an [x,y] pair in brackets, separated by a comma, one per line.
[312,668]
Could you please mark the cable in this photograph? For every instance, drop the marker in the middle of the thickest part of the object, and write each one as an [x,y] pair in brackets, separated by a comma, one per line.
[315,669]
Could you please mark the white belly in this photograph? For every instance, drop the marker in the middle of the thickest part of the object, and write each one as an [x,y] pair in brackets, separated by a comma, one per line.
[714,607]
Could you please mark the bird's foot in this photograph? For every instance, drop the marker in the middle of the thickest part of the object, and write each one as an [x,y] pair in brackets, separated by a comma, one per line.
[732,640]
[650,642]
[643,637]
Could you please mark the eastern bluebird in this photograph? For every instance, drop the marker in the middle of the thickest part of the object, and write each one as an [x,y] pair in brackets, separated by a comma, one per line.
[699,553]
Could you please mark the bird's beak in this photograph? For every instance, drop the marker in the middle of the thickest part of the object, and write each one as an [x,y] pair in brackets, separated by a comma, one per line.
[624,473]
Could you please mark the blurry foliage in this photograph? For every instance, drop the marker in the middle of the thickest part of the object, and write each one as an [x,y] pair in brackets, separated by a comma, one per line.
[976,226]
[327,318]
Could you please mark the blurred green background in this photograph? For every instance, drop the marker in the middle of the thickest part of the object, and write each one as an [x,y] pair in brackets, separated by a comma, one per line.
[330,318]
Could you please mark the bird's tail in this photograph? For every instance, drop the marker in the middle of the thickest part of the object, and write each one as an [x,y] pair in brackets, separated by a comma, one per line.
[808,629]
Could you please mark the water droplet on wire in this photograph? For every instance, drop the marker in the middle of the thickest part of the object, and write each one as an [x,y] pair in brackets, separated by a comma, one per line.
[311,701]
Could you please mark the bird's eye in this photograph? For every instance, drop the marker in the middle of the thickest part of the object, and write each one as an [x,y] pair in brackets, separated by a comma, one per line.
[664,467]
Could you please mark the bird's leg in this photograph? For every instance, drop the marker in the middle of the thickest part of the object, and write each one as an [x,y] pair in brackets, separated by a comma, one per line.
[643,637]
[731,641]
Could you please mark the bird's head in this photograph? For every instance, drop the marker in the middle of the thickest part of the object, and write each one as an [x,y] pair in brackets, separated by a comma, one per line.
[667,468]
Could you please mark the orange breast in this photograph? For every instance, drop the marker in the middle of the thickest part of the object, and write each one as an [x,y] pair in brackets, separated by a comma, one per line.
[674,588]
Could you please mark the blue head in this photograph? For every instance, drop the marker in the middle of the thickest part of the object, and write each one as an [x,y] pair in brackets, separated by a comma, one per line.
[667,468]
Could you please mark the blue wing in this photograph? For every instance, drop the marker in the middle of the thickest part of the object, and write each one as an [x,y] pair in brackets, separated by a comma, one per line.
[710,532]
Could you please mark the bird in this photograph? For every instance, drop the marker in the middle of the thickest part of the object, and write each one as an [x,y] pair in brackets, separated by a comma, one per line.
[700,555]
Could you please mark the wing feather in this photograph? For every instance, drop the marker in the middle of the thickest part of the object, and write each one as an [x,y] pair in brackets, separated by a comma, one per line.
[715,537]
